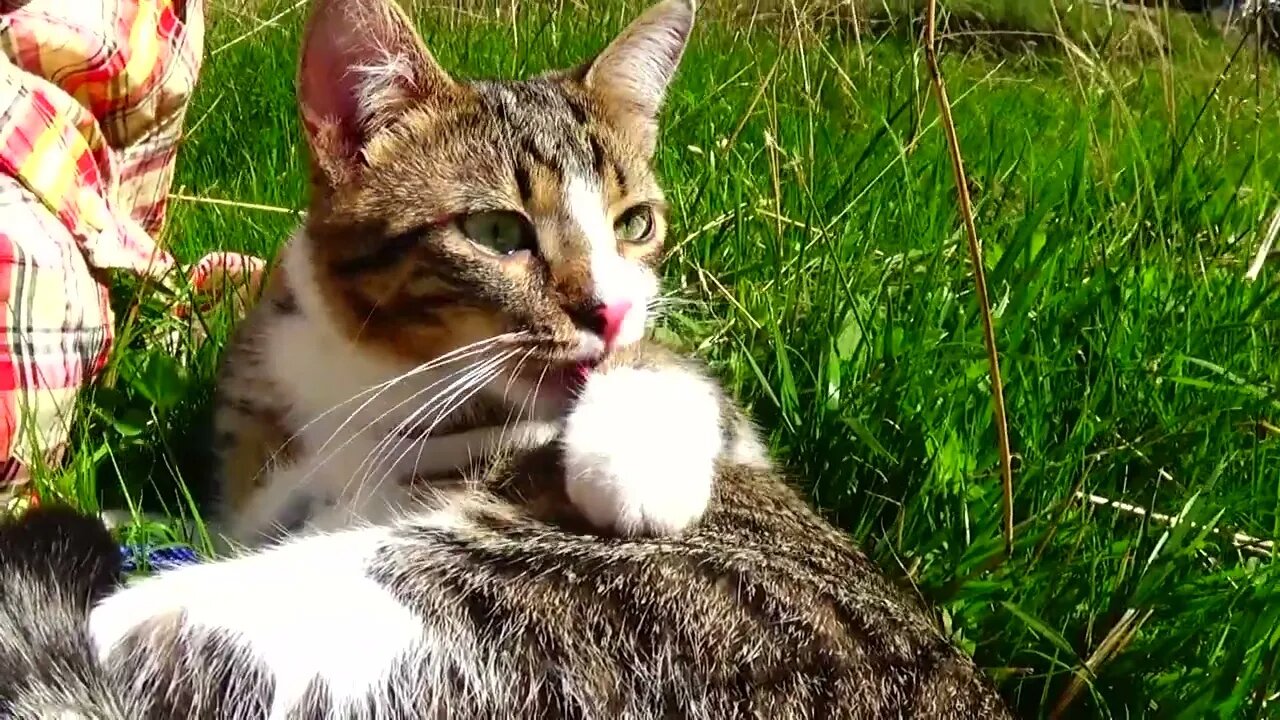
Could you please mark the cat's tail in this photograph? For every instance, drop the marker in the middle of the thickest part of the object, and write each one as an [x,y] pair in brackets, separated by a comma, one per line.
[54,564]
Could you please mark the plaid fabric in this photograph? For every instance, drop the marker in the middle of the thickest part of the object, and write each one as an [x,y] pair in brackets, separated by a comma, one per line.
[92,99]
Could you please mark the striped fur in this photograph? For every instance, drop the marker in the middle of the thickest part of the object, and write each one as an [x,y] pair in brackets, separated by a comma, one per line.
[763,611]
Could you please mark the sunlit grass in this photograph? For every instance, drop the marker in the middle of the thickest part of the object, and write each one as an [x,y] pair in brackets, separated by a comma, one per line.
[1120,200]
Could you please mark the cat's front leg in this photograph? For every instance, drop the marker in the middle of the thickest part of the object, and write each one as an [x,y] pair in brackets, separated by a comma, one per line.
[642,442]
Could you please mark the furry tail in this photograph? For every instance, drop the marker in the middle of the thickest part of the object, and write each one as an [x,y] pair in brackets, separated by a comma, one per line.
[54,564]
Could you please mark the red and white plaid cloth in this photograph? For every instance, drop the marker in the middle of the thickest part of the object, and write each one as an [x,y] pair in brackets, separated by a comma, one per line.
[93,94]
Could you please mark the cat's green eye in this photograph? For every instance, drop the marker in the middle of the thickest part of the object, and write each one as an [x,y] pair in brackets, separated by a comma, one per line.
[500,231]
[635,225]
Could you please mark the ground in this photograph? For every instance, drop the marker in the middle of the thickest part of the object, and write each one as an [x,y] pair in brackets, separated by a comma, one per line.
[1124,174]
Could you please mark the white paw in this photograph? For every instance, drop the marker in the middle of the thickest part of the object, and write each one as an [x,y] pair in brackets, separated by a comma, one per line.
[640,447]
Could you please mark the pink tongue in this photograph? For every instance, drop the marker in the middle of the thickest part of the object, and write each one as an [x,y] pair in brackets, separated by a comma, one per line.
[581,372]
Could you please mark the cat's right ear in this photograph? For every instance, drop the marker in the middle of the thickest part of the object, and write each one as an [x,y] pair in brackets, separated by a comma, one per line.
[362,64]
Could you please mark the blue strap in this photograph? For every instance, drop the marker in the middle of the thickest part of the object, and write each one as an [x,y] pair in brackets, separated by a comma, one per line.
[132,558]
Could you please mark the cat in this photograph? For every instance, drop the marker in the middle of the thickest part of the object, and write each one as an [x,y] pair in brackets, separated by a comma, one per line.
[762,610]
[472,252]
[503,595]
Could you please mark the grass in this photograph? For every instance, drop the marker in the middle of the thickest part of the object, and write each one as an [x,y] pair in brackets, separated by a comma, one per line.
[1120,197]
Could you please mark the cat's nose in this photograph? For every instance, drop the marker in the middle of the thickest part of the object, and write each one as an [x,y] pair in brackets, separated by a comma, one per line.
[603,319]
[611,317]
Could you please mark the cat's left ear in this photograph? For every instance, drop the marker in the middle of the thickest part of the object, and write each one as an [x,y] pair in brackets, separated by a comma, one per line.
[632,74]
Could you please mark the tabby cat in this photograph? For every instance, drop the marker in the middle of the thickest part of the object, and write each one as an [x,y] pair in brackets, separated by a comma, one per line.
[473,252]
[615,546]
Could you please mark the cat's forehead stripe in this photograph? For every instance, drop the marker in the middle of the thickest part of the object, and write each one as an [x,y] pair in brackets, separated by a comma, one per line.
[585,204]
[551,128]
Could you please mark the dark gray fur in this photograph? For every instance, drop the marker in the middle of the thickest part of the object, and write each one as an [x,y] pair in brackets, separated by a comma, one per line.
[53,564]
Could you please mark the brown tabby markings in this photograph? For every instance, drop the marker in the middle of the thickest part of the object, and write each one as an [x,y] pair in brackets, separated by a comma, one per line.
[252,433]
[392,268]
[401,287]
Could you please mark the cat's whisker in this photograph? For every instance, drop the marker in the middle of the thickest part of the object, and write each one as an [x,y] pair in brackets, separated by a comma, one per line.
[465,351]
[390,443]
[385,439]
[440,417]
[672,299]
[450,357]
[459,398]
[659,306]
[420,442]
[515,373]
[374,421]
[398,434]
[519,414]
[474,378]
[538,385]
[418,393]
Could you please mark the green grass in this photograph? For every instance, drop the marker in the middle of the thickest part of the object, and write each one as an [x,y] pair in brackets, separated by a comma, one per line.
[1120,198]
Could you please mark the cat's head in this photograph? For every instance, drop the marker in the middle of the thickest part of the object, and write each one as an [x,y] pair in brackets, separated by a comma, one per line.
[446,212]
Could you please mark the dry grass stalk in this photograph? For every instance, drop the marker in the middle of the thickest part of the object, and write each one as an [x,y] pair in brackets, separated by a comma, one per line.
[975,259]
